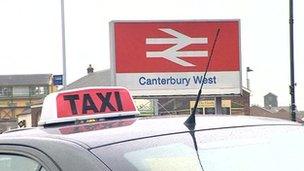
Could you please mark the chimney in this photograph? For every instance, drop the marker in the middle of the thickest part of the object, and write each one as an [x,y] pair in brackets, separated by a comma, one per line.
[90,69]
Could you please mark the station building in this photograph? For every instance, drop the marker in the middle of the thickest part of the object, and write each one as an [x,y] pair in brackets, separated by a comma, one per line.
[171,104]
[18,93]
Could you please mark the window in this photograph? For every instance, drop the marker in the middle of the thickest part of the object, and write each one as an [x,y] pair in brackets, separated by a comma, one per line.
[20,91]
[39,90]
[199,110]
[4,91]
[262,148]
[173,152]
[17,162]
[209,110]
[226,110]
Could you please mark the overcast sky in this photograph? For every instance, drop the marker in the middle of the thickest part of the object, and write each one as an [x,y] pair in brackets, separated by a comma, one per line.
[30,36]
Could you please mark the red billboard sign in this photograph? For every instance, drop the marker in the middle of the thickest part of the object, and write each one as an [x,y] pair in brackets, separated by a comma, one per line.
[149,55]
[135,41]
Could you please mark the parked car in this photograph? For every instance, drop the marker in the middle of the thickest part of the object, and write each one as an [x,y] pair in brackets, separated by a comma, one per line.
[98,129]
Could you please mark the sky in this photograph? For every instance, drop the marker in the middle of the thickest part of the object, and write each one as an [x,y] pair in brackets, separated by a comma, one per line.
[30,36]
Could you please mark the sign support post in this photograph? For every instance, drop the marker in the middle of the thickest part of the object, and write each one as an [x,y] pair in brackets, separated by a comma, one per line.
[292,79]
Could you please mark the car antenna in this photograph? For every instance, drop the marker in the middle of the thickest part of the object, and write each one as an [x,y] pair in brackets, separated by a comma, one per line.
[190,122]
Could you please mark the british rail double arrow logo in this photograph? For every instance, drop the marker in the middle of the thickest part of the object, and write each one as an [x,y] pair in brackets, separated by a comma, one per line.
[173,53]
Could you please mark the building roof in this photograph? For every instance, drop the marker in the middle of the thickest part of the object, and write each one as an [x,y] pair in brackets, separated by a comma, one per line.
[103,78]
[277,109]
[7,125]
[273,109]
[98,78]
[282,112]
[261,110]
[270,94]
[26,111]
[27,79]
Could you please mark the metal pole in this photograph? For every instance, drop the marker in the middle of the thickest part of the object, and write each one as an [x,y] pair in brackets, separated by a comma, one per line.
[218,105]
[292,80]
[247,79]
[63,44]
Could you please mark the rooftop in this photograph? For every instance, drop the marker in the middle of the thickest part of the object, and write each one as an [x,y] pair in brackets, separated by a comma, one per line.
[27,79]
[98,78]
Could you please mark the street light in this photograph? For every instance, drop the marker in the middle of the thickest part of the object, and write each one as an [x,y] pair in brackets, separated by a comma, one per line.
[63,44]
[292,79]
[248,70]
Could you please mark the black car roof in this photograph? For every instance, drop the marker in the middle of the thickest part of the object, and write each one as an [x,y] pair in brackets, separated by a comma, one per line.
[131,129]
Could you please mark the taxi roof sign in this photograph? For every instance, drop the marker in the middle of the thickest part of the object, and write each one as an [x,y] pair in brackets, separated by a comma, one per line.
[87,103]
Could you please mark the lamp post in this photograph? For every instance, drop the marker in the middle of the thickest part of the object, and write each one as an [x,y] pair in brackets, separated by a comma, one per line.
[292,80]
[63,44]
[247,78]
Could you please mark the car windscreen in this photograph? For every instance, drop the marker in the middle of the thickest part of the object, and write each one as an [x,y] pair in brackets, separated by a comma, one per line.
[247,148]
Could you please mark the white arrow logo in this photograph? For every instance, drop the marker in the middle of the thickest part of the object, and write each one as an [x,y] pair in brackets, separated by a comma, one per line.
[172,53]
